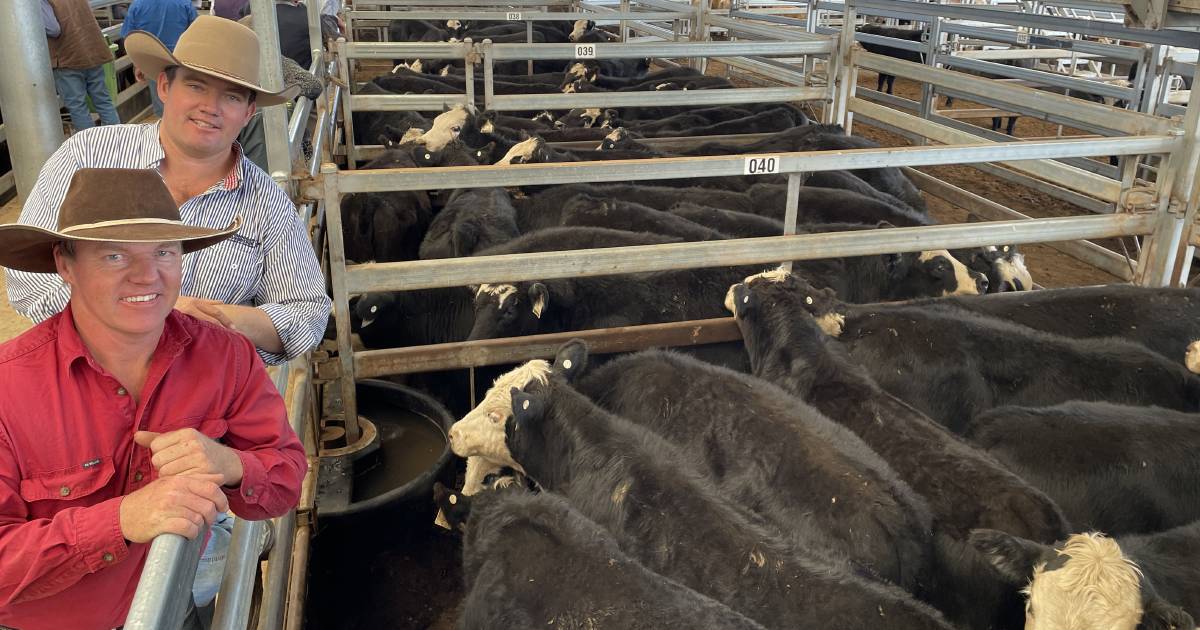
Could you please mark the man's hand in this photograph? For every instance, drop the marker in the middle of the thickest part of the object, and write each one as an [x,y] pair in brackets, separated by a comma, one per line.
[171,505]
[190,452]
[206,309]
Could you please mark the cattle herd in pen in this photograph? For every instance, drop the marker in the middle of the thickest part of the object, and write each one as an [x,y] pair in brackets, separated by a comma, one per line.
[887,447]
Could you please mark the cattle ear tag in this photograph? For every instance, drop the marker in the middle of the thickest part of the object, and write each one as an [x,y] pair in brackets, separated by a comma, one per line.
[428,157]
[453,499]
[1004,249]
[525,405]
[567,364]
[808,300]
[374,309]
[745,299]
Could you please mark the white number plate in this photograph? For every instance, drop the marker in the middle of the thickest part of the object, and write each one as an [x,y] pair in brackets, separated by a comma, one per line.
[1022,37]
[585,51]
[763,165]
[514,17]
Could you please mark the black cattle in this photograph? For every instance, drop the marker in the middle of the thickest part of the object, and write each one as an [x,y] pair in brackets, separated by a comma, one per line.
[664,513]
[588,211]
[658,197]
[397,319]
[472,219]
[829,205]
[386,226]
[374,127]
[735,224]
[413,30]
[779,458]
[1090,581]
[565,304]
[1164,320]
[674,125]
[532,560]
[1111,468]
[785,325]
[955,365]
[590,72]
[912,35]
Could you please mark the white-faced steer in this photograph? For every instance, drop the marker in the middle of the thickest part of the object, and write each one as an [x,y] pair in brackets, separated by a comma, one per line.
[447,127]
[1090,581]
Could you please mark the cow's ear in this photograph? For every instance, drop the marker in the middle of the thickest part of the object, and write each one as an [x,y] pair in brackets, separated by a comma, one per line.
[1013,557]
[739,301]
[454,506]
[897,264]
[465,238]
[526,408]
[539,298]
[1160,615]
[571,358]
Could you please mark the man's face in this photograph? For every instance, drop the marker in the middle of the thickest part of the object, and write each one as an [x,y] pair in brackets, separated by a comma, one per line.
[127,288]
[202,115]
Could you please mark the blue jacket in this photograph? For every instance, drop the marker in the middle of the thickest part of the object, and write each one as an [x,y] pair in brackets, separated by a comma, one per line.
[164,19]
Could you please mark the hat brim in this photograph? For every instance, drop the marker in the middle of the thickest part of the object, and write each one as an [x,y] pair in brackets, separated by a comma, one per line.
[28,248]
[151,56]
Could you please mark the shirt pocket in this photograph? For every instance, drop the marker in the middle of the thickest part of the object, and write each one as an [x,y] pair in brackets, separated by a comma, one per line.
[231,270]
[50,491]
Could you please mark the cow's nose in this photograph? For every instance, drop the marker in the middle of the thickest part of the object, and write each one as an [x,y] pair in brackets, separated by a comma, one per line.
[981,283]
[453,434]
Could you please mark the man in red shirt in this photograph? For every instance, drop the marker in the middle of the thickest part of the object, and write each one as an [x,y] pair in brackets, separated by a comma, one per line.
[122,418]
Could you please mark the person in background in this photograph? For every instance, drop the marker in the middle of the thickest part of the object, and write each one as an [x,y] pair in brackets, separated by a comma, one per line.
[229,9]
[53,30]
[292,19]
[164,19]
[77,56]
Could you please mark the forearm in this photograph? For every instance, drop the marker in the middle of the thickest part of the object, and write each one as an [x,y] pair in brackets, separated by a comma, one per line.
[43,557]
[256,325]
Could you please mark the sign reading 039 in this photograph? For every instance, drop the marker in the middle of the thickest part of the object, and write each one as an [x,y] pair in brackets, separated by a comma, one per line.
[761,165]
[585,51]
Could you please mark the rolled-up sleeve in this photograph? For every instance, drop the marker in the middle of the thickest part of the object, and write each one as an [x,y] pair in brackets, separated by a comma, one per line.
[292,289]
[273,459]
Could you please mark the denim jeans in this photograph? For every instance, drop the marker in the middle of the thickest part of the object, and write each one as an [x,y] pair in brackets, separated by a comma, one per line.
[75,86]
[212,562]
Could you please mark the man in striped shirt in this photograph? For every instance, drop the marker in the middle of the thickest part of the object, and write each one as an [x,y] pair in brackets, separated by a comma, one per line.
[265,281]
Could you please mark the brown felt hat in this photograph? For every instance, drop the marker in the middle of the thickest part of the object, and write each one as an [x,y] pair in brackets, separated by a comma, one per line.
[121,205]
[212,45]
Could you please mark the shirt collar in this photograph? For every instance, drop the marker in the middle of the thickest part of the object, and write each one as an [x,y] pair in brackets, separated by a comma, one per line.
[152,155]
[175,337]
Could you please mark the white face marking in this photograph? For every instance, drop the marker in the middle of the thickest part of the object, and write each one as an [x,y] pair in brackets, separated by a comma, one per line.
[477,469]
[581,27]
[1193,357]
[446,128]
[445,71]
[414,135]
[832,324]
[569,88]
[962,275]
[1097,587]
[577,71]
[397,67]
[454,24]
[481,431]
[1013,269]
[499,291]
[590,116]
[416,66]
[523,150]
[488,127]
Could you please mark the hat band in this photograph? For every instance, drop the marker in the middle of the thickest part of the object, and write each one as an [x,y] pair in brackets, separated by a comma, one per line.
[102,224]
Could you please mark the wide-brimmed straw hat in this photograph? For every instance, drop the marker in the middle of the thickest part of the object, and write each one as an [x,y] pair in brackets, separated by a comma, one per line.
[212,45]
[121,205]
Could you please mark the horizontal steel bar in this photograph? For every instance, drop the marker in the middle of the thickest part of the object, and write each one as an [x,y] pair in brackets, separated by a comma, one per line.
[763,17]
[1085,251]
[383,180]
[1182,68]
[1037,76]
[407,50]
[1097,28]
[406,102]
[665,98]
[1101,115]
[765,31]
[764,68]
[899,14]
[465,354]
[469,3]
[372,151]
[1069,176]
[526,16]
[1113,51]
[424,274]
[892,42]
[665,49]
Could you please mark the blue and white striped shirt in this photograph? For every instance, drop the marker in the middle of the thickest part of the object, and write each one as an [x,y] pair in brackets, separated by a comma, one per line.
[269,263]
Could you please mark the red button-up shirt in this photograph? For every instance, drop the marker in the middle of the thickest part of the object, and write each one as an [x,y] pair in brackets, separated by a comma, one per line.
[67,456]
